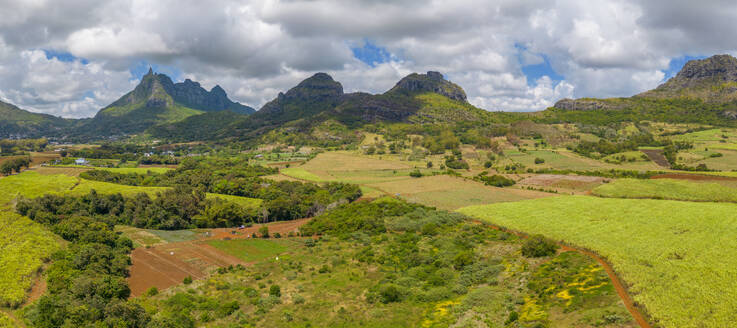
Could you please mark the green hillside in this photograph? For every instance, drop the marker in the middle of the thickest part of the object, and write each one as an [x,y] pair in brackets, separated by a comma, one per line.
[16,122]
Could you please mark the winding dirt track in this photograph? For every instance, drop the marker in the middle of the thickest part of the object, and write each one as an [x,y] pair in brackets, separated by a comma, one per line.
[618,285]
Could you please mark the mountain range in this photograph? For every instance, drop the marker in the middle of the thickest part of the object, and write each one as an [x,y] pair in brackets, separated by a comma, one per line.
[704,91]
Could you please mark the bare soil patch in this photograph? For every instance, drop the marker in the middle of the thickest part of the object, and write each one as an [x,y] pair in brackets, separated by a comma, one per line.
[166,265]
[571,182]
[656,155]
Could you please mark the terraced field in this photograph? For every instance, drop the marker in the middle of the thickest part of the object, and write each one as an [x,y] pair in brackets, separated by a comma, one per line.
[666,251]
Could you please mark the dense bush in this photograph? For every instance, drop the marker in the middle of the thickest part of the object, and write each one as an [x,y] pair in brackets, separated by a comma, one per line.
[178,208]
[539,246]
[496,180]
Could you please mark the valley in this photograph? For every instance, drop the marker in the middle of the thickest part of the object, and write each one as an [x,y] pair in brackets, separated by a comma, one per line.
[177,207]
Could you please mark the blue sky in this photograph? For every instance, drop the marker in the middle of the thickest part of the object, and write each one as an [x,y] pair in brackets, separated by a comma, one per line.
[371,54]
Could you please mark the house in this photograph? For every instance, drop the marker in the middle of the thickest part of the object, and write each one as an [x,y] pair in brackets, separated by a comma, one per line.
[81,161]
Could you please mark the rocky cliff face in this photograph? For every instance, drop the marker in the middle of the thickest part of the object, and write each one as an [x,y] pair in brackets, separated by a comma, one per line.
[719,68]
[711,80]
[430,82]
[315,94]
[582,104]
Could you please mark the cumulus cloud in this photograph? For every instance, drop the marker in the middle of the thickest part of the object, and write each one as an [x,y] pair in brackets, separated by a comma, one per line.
[255,49]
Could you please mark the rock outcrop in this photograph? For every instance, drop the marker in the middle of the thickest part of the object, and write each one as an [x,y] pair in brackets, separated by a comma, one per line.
[430,82]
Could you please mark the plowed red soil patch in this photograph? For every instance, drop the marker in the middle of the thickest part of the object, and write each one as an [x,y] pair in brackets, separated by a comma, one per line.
[656,155]
[694,177]
[167,265]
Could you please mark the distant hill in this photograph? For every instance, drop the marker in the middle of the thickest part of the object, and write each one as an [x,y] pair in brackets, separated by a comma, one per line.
[19,123]
[704,91]
[320,100]
[157,100]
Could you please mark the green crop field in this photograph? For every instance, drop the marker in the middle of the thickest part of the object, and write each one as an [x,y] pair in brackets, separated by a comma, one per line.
[24,246]
[301,174]
[85,186]
[31,184]
[250,250]
[667,189]
[668,252]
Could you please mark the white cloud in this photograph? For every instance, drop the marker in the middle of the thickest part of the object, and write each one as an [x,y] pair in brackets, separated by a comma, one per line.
[69,89]
[257,48]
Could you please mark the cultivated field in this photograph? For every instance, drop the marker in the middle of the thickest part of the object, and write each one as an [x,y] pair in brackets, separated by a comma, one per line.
[446,192]
[24,247]
[676,257]
[164,258]
[568,182]
[702,191]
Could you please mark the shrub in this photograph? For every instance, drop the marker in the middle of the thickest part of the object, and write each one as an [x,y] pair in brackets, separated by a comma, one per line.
[152,291]
[187,280]
[462,259]
[539,246]
[488,164]
[389,294]
[415,174]
[275,291]
[496,180]
[539,160]
[264,231]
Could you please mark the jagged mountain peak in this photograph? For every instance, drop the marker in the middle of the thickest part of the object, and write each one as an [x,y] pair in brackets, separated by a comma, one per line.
[430,82]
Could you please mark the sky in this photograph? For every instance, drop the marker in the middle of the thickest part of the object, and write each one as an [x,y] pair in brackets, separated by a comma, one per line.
[71,58]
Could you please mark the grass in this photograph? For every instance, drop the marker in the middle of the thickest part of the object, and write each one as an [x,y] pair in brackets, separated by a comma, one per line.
[667,251]
[251,250]
[6,322]
[667,189]
[151,237]
[24,247]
